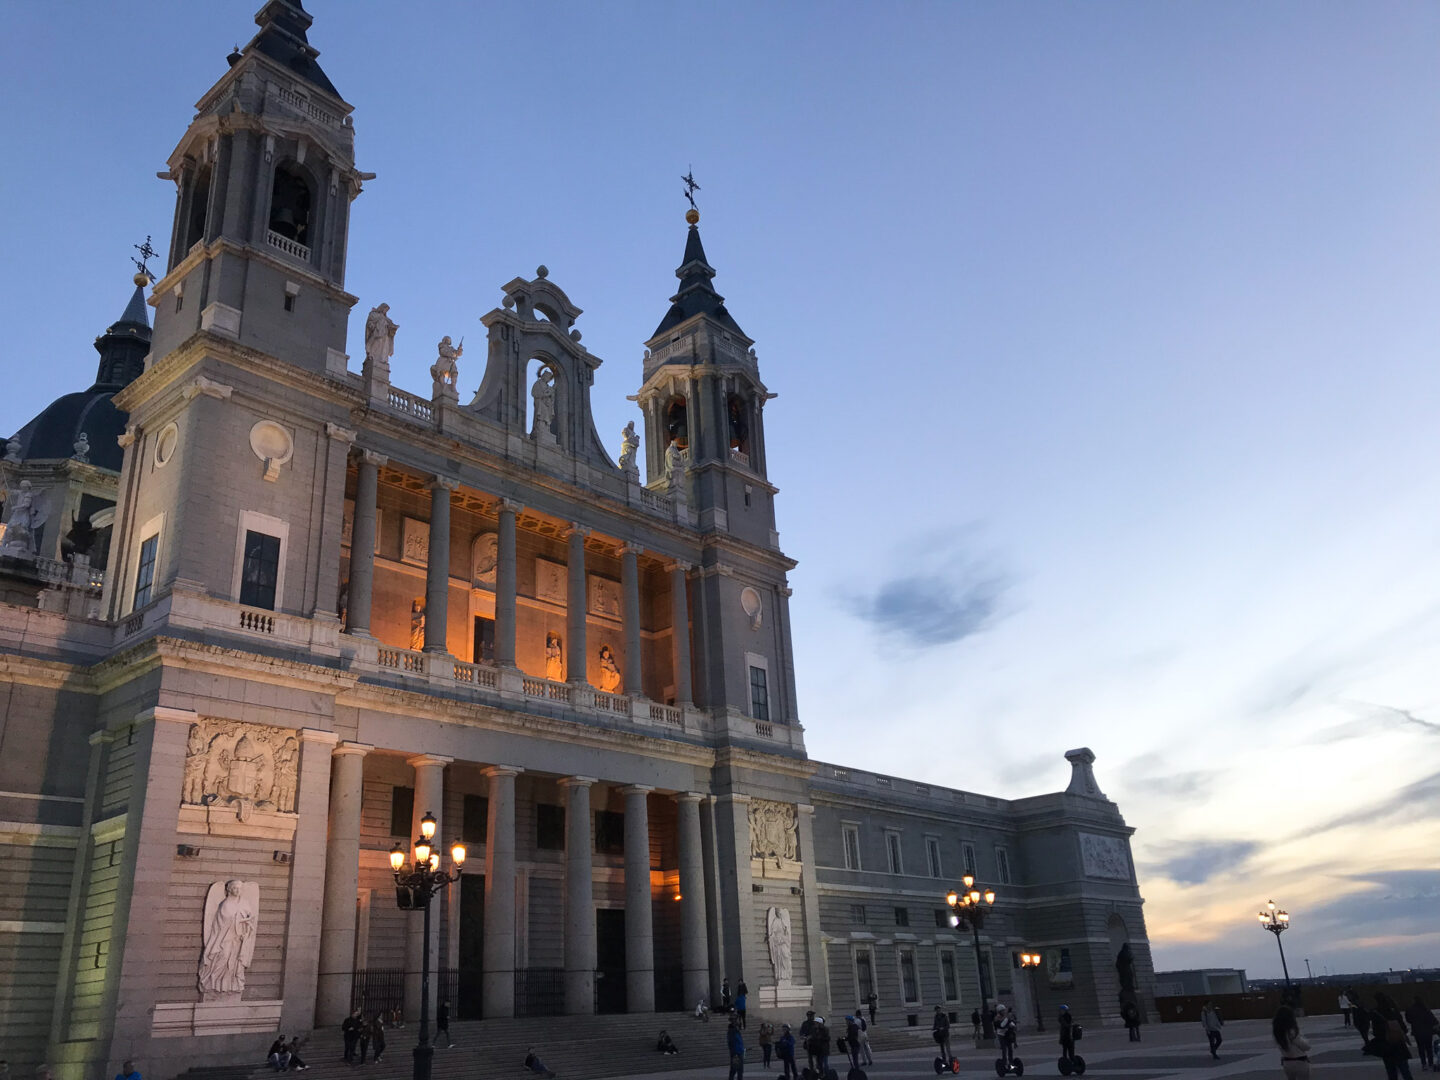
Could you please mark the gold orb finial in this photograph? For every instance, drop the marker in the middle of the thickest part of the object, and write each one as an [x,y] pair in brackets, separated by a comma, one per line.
[141,279]
[692,216]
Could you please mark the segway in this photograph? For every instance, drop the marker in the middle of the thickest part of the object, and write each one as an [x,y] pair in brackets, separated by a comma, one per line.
[943,1066]
[1007,1064]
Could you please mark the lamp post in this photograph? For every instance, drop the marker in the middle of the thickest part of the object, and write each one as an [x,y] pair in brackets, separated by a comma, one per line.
[1030,961]
[1277,922]
[415,884]
[967,910]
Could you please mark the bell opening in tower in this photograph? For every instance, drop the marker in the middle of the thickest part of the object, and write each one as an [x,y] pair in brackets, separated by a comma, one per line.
[738,409]
[290,206]
[199,209]
[677,426]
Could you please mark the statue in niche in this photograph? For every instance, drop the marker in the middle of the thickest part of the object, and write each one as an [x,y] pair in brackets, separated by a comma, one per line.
[231,915]
[26,517]
[609,671]
[417,624]
[380,337]
[674,465]
[554,658]
[445,372]
[772,831]
[287,767]
[193,790]
[777,938]
[1125,968]
[543,394]
[629,451]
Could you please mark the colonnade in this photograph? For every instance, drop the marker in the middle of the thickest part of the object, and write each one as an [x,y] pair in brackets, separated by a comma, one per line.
[338,917]
[437,585]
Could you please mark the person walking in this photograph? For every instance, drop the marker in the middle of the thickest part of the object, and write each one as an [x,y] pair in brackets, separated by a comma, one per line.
[1131,1015]
[940,1032]
[871,1001]
[725,995]
[820,1048]
[1294,1049]
[1390,1038]
[1361,1015]
[377,1036]
[350,1032]
[785,1051]
[807,1029]
[363,1037]
[442,1025]
[975,1023]
[869,1059]
[1344,1003]
[852,1040]
[736,1045]
[1212,1022]
[1422,1026]
[741,998]
[767,1041]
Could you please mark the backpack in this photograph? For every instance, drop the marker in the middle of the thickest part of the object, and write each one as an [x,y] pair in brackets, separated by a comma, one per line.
[1394,1033]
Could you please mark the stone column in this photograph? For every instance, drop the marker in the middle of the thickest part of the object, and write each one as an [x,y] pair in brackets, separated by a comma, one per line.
[639,933]
[437,568]
[575,662]
[308,864]
[694,950]
[505,585]
[630,587]
[362,543]
[342,882]
[429,797]
[498,986]
[329,489]
[715,925]
[810,901]
[579,899]
[680,632]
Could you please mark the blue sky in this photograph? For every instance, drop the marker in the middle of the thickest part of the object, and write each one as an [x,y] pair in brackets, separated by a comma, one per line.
[1105,336]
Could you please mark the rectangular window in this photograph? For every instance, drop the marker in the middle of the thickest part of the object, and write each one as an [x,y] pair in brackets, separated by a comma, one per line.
[857,913]
[289,302]
[1002,866]
[851,837]
[261,571]
[549,827]
[909,984]
[145,572]
[1065,961]
[402,812]
[484,640]
[942,917]
[967,857]
[949,984]
[892,849]
[932,854]
[864,975]
[759,694]
[475,819]
[609,833]
[902,916]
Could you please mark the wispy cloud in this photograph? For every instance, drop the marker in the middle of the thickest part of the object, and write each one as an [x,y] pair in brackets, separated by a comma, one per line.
[1414,802]
[1187,863]
[1374,718]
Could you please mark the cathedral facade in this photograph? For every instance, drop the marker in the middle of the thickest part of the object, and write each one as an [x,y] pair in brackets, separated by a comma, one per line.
[263,614]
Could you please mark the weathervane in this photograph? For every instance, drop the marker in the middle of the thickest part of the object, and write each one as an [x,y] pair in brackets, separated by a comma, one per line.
[690,188]
[146,254]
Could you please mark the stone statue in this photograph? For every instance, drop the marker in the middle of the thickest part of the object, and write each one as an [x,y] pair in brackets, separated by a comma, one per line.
[543,393]
[609,672]
[1125,968]
[380,337]
[445,372]
[82,449]
[417,625]
[193,790]
[777,937]
[772,831]
[554,658]
[12,450]
[629,450]
[25,520]
[287,767]
[674,465]
[231,912]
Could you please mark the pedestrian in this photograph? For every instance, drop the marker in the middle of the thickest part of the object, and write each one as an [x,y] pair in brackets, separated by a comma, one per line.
[725,1000]
[127,1070]
[377,1036]
[865,1040]
[442,1024]
[1067,1032]
[1212,1022]
[785,1051]
[350,1032]
[1006,1034]
[940,1032]
[1390,1038]
[363,1036]
[871,1000]
[740,1000]
[975,1023]
[852,1040]
[1345,1007]
[1361,1015]
[278,1055]
[736,1045]
[807,1029]
[767,1041]
[820,1047]
[1131,1015]
[1422,1026]
[1294,1050]
[296,1062]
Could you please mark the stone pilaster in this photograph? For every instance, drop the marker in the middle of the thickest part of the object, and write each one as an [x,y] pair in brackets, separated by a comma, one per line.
[342,881]
[575,659]
[814,948]
[630,588]
[680,633]
[362,543]
[498,987]
[639,931]
[737,902]
[694,951]
[437,569]
[505,585]
[308,864]
[579,898]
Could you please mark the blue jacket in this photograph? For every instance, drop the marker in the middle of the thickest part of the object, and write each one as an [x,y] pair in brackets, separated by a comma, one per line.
[735,1042]
[785,1046]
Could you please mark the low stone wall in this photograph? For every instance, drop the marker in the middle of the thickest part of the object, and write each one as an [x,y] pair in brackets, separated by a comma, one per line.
[1316,1001]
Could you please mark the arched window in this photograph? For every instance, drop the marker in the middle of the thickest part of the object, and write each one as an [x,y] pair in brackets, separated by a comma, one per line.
[677,424]
[199,209]
[290,206]
[739,425]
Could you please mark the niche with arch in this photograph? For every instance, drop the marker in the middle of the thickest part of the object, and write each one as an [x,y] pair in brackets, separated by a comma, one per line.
[738,424]
[677,422]
[291,204]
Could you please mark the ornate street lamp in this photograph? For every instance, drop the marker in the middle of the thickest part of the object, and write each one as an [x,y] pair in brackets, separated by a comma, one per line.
[415,884]
[1031,961]
[1277,922]
[967,910]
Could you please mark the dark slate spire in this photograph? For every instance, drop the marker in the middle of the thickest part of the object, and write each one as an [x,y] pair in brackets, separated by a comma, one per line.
[125,343]
[282,38]
[696,296]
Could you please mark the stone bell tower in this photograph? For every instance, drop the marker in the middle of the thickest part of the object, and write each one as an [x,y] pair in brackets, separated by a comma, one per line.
[264,178]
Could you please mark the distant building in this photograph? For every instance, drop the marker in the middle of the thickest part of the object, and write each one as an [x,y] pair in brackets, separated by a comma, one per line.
[1199,981]
[318,606]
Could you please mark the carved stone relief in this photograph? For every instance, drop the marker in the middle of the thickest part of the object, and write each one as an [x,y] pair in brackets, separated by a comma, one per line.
[485,557]
[604,596]
[772,831]
[242,767]
[550,581]
[415,541]
[1104,857]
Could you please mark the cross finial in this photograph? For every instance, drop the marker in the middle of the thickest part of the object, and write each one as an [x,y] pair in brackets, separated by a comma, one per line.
[146,254]
[690,188]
